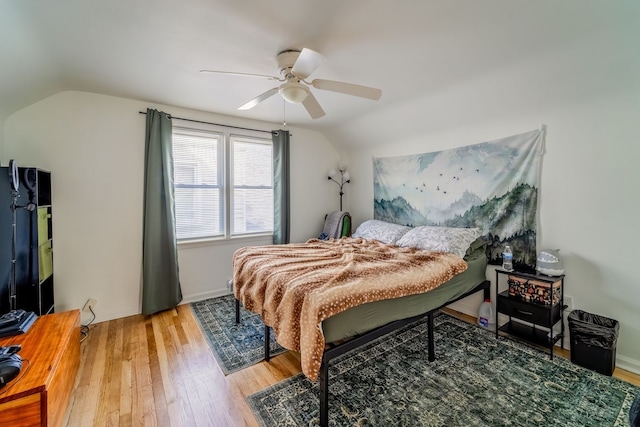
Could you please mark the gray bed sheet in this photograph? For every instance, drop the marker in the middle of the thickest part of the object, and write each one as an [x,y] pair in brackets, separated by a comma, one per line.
[363,318]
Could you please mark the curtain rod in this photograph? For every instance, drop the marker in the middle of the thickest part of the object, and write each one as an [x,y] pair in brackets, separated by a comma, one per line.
[211,123]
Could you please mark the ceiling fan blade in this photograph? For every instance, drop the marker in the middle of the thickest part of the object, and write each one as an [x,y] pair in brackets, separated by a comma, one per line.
[307,62]
[347,88]
[314,109]
[232,73]
[258,99]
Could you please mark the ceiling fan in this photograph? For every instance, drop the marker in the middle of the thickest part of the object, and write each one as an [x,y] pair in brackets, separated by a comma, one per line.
[294,67]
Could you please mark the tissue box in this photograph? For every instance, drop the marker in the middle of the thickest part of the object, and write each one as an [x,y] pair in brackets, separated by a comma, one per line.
[534,291]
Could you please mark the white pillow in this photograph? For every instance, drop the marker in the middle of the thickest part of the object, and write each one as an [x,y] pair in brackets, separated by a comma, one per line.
[440,239]
[383,231]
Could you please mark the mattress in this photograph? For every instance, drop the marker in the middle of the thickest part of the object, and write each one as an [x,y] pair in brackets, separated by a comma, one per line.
[365,317]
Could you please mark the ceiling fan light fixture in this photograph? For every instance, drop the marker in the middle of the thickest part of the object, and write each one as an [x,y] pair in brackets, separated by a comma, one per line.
[294,67]
[294,92]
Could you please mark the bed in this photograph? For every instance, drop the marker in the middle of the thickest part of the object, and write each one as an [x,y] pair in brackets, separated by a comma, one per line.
[442,265]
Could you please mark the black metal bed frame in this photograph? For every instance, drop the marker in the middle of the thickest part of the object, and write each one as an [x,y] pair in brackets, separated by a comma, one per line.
[335,351]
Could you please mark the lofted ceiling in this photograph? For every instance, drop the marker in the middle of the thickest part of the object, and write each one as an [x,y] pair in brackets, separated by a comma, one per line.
[413,50]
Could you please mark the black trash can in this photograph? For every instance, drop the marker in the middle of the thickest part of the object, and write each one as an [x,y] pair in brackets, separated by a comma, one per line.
[593,341]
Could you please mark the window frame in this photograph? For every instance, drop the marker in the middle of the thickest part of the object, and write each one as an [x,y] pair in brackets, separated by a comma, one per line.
[232,185]
[226,185]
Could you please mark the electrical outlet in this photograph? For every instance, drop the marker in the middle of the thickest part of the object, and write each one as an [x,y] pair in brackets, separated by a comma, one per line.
[568,301]
[89,305]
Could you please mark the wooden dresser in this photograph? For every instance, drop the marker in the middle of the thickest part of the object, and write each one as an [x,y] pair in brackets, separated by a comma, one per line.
[40,394]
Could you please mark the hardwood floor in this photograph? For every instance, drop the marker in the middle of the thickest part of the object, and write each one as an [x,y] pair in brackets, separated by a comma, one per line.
[159,371]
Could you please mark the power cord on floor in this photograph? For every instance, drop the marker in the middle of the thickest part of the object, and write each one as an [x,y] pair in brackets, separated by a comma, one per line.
[84,329]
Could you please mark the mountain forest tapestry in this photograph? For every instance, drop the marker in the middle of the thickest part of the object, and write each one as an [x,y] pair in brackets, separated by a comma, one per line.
[492,185]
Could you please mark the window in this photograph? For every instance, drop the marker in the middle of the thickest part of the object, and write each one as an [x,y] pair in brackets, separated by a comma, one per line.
[252,196]
[198,183]
[213,171]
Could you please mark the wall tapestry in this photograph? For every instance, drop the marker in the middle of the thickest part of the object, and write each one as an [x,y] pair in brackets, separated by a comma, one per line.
[493,186]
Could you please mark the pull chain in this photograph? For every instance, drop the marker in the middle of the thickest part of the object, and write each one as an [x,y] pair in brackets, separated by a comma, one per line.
[284,113]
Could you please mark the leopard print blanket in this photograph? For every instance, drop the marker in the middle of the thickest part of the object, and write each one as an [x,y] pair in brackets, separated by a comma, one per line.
[294,287]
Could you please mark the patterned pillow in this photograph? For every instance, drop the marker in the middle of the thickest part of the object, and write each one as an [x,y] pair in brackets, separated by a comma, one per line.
[440,239]
[383,231]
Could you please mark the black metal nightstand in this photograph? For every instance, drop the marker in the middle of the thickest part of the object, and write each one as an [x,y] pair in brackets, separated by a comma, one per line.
[529,320]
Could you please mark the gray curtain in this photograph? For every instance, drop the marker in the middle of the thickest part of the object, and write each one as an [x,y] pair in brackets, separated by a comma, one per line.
[160,280]
[281,183]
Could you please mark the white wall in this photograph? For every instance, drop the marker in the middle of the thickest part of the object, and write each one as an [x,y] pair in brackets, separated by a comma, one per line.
[2,141]
[589,197]
[94,146]
[586,93]
[3,160]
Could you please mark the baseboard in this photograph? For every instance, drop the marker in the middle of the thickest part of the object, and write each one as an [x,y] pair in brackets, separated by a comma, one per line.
[132,311]
[467,305]
[187,299]
[102,316]
[628,364]
[470,305]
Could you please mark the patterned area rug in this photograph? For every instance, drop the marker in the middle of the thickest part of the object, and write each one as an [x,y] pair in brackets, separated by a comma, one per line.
[476,380]
[235,346]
